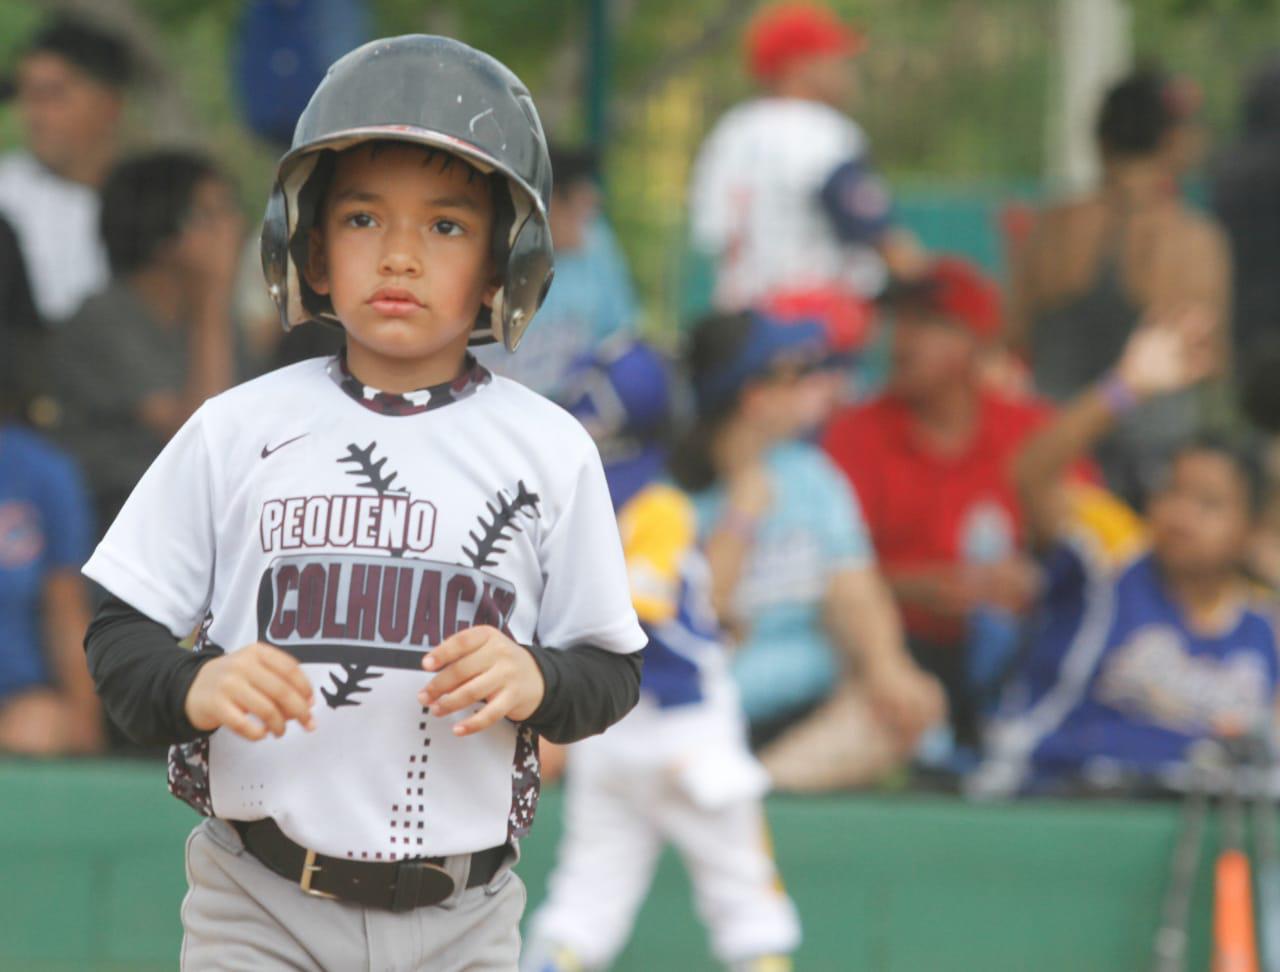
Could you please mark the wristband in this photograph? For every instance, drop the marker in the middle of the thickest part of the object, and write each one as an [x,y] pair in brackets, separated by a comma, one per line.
[1119,397]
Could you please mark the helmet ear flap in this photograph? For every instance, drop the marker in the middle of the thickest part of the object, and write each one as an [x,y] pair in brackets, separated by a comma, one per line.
[530,267]
[275,253]
[504,217]
[522,260]
[310,196]
[292,212]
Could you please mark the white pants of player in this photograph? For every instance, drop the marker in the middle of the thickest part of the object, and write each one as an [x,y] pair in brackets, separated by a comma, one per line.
[617,819]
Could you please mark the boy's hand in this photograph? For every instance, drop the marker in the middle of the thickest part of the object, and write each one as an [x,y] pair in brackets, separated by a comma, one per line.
[253,691]
[482,664]
[1171,354]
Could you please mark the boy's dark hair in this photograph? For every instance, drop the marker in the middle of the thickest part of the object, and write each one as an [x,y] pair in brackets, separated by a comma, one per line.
[1136,114]
[715,339]
[97,52]
[1243,452]
[313,197]
[145,201]
[573,166]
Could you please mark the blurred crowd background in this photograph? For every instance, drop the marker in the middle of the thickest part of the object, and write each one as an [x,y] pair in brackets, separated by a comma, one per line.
[957,321]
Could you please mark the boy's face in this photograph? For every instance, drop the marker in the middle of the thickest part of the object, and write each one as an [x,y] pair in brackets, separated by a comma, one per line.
[1200,519]
[403,250]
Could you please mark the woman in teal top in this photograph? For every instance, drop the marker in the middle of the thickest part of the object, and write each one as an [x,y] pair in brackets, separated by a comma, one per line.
[820,653]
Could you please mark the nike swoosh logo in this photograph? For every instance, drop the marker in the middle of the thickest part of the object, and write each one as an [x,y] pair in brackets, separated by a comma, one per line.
[266,451]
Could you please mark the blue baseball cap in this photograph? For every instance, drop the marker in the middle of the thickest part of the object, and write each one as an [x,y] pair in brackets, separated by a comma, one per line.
[769,343]
[622,393]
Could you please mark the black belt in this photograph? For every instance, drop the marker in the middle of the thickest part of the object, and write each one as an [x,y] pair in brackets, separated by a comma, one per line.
[391,885]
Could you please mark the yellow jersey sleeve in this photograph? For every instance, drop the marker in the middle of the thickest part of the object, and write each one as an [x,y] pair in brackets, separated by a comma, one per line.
[1106,524]
[658,528]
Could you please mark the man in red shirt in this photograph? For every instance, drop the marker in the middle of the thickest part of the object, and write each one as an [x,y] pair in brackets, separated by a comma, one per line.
[929,460]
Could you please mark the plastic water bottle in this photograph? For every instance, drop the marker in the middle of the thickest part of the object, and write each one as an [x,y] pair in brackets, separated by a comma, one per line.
[987,538]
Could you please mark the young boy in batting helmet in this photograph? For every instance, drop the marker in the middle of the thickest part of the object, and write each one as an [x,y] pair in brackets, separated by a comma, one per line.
[411,564]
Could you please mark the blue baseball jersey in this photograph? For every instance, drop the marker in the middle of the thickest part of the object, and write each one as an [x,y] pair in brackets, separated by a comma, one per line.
[44,526]
[1116,680]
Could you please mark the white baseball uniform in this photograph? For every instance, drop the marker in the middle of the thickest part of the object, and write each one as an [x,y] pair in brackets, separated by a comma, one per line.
[357,529]
[754,202]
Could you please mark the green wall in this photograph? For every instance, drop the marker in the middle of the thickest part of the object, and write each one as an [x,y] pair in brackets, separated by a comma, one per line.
[91,879]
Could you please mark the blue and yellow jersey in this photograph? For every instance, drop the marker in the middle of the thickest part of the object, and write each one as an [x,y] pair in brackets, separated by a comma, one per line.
[670,588]
[1115,677]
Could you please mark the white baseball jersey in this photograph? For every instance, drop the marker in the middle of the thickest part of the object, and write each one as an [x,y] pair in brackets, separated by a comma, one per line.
[356,529]
[56,221]
[754,202]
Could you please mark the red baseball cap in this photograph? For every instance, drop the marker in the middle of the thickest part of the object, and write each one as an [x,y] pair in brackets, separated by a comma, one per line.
[783,34]
[955,289]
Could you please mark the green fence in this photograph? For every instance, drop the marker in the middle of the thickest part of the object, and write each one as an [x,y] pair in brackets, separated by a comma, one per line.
[92,879]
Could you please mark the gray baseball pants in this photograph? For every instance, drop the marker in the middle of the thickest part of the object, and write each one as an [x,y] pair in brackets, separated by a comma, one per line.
[240,917]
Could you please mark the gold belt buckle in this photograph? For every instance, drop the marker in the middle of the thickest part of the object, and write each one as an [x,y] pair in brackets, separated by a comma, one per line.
[309,867]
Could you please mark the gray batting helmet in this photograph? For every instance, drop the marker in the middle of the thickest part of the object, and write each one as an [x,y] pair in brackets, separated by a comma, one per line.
[430,91]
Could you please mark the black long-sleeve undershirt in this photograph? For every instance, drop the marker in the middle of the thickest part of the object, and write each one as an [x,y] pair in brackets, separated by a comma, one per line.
[143,677]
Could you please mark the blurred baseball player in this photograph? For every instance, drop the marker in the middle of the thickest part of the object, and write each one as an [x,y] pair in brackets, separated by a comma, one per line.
[677,768]
[784,196]
[411,564]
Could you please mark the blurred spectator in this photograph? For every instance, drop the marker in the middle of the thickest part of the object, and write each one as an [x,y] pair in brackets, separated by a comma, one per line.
[47,702]
[1143,644]
[1246,197]
[784,196]
[1185,143]
[21,333]
[1094,267]
[929,462]
[138,358]
[591,297]
[820,662]
[676,769]
[18,312]
[1260,403]
[69,86]
[1259,390]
